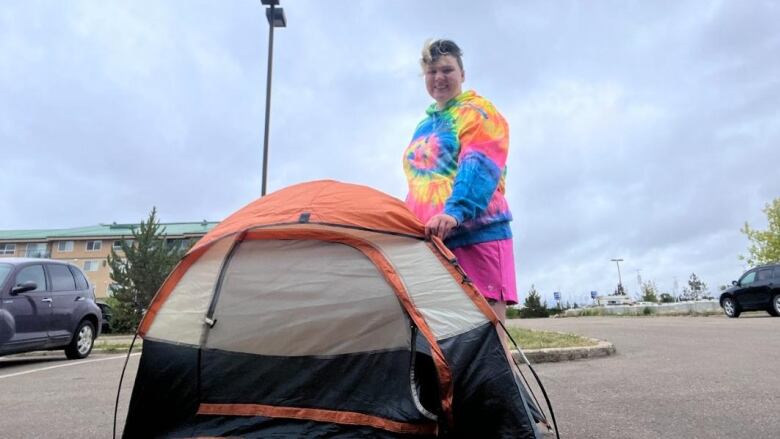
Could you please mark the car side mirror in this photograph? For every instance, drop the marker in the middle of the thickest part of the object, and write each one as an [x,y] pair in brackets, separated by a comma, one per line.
[24,287]
[735,283]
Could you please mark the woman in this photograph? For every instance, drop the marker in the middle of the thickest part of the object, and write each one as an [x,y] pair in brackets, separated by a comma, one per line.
[455,167]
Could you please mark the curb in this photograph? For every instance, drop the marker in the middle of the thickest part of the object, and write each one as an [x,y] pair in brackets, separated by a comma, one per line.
[61,352]
[98,348]
[554,355]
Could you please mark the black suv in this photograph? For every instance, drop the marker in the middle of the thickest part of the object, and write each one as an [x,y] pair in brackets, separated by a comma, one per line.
[757,290]
[46,304]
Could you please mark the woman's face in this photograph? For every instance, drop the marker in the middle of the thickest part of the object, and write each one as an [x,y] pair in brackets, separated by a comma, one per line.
[443,79]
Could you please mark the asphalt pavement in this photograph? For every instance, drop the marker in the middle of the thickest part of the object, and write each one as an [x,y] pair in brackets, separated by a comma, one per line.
[49,396]
[680,377]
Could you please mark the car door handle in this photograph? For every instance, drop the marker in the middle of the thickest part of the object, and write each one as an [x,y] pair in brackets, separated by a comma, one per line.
[79,298]
[46,299]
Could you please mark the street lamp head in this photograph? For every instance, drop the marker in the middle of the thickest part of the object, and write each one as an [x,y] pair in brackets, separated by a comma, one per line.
[276,17]
[616,260]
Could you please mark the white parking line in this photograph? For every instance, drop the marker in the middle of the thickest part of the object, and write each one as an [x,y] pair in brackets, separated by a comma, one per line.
[74,363]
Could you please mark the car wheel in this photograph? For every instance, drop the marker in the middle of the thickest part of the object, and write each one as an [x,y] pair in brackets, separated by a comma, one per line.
[82,342]
[775,309]
[730,307]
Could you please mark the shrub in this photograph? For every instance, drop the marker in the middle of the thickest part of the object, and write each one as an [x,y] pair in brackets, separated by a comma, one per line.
[512,312]
[533,306]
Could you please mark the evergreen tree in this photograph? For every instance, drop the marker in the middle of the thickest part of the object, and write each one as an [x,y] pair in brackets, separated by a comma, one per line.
[765,244]
[533,305]
[695,290]
[139,270]
[649,292]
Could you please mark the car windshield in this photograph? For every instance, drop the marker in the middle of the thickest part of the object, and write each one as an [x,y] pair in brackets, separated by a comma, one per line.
[4,270]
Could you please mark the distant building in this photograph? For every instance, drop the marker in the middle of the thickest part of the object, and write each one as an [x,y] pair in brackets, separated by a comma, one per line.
[88,247]
[614,300]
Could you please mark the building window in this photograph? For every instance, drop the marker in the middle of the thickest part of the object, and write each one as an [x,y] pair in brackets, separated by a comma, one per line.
[177,244]
[93,246]
[65,246]
[91,265]
[36,250]
[7,249]
[118,243]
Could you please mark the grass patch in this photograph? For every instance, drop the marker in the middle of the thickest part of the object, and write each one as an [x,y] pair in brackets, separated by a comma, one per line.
[528,339]
[592,312]
[644,311]
[112,348]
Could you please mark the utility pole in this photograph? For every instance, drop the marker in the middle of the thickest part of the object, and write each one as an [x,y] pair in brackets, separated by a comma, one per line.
[639,279]
[617,261]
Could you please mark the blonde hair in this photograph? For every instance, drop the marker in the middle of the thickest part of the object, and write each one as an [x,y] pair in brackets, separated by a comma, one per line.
[434,49]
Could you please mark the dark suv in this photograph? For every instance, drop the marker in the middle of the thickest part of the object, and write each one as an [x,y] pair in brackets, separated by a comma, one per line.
[757,290]
[46,304]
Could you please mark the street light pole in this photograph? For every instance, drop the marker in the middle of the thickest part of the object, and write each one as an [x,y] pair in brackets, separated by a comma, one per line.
[639,279]
[620,279]
[276,18]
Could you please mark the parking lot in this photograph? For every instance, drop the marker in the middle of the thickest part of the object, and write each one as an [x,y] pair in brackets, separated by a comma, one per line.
[687,377]
[682,377]
[48,396]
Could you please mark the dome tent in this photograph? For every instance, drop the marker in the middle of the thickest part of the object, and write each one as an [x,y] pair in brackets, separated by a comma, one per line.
[322,310]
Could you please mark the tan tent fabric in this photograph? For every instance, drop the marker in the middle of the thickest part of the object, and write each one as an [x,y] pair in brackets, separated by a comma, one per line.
[272,287]
[438,296]
[181,317]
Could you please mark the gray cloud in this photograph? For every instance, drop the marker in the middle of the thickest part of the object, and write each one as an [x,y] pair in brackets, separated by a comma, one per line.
[646,131]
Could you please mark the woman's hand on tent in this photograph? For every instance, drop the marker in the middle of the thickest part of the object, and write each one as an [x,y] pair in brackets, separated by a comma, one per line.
[440,225]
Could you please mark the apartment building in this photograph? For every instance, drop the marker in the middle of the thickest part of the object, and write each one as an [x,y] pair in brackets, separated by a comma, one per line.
[89,247]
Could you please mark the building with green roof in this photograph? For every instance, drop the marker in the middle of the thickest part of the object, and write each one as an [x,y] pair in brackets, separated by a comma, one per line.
[88,247]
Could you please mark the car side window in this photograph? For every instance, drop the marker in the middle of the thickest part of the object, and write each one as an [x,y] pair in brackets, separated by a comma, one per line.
[61,278]
[32,273]
[777,273]
[748,278]
[764,274]
[81,281]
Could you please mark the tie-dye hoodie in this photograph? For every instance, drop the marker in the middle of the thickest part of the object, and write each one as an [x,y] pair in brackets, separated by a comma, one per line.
[456,164]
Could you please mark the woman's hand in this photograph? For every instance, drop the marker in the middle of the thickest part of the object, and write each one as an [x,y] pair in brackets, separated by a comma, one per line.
[440,225]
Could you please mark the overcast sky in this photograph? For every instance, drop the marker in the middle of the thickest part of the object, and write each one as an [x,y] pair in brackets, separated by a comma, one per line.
[647,131]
